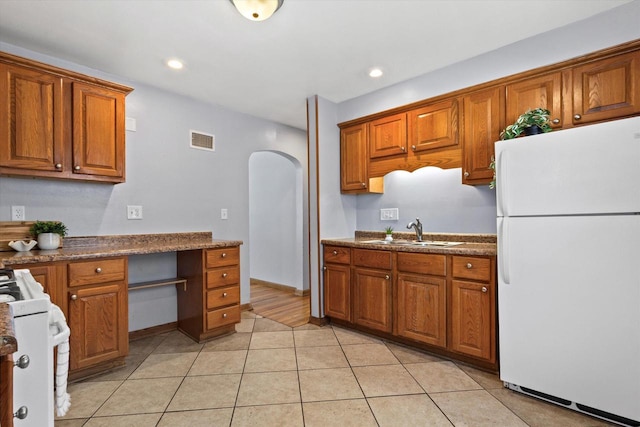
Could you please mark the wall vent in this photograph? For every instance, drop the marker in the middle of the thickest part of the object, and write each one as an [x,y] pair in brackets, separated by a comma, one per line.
[203,141]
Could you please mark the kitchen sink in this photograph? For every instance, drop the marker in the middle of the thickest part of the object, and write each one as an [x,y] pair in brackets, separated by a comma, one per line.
[440,243]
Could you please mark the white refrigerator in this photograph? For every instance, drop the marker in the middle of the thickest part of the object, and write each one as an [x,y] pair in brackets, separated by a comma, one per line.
[568,207]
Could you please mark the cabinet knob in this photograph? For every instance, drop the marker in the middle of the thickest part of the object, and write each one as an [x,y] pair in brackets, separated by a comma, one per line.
[224,315]
[224,255]
[224,275]
[387,277]
[98,270]
[224,295]
[58,165]
[413,147]
[469,265]
[466,174]
[577,117]
[555,121]
[363,184]
[324,268]
[335,252]
[76,168]
[484,289]
[403,149]
[74,297]
[22,362]
[21,413]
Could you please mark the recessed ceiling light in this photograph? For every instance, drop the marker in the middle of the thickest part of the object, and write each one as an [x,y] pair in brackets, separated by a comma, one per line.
[375,72]
[176,64]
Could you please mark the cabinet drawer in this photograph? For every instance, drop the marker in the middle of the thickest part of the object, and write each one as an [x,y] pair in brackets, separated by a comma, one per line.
[223,316]
[97,271]
[337,254]
[372,258]
[223,276]
[435,265]
[472,268]
[222,256]
[220,297]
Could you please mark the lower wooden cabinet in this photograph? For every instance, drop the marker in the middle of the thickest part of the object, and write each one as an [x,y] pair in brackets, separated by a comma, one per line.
[210,305]
[439,302]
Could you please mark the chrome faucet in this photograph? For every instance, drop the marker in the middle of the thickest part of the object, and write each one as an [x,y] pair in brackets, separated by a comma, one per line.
[417,226]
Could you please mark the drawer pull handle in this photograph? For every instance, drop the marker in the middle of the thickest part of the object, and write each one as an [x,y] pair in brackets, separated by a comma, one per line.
[224,275]
[335,252]
[224,295]
[21,413]
[387,276]
[74,297]
[469,265]
[98,270]
[577,117]
[58,166]
[224,315]
[224,255]
[22,362]
[484,289]
[76,168]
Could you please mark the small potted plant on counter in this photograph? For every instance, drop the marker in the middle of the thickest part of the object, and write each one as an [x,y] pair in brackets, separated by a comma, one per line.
[388,230]
[49,233]
[530,122]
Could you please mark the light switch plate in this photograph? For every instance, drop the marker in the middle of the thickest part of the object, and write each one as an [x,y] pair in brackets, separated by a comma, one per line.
[390,214]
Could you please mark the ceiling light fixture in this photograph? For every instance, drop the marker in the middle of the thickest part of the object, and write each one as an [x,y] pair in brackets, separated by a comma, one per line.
[375,72]
[176,64]
[257,10]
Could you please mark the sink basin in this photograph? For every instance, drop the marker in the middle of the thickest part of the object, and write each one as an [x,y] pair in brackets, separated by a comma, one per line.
[413,242]
[388,242]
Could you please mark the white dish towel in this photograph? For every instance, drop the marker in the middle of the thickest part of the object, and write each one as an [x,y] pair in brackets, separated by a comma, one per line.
[59,331]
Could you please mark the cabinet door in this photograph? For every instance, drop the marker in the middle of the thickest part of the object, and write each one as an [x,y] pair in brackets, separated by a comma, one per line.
[337,291]
[98,131]
[537,92]
[422,309]
[607,89]
[471,319]
[482,124]
[354,159]
[388,136]
[372,299]
[98,323]
[31,119]
[434,126]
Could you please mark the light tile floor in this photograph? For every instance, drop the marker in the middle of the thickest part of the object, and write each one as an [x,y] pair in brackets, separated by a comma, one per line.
[268,374]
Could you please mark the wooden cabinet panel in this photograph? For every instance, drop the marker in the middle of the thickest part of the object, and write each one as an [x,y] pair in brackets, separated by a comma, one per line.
[607,89]
[32,123]
[434,126]
[422,309]
[222,257]
[227,316]
[536,92]
[372,303]
[482,122]
[472,326]
[474,268]
[98,131]
[354,159]
[223,276]
[97,271]
[388,136]
[98,322]
[432,264]
[337,291]
[337,254]
[371,258]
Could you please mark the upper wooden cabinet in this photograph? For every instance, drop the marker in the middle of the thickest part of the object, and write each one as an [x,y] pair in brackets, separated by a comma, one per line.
[536,92]
[388,136]
[60,124]
[606,89]
[482,122]
[354,161]
[434,126]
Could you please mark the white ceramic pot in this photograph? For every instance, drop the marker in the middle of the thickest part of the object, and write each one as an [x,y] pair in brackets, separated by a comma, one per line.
[48,241]
[388,238]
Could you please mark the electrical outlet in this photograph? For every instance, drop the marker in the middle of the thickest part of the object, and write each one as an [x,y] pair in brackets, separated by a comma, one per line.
[134,212]
[391,214]
[224,214]
[17,213]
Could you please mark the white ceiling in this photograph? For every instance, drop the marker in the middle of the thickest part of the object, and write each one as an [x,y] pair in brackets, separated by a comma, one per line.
[268,69]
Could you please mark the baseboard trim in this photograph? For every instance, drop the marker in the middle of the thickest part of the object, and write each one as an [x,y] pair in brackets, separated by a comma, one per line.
[246,307]
[318,321]
[154,330]
[280,287]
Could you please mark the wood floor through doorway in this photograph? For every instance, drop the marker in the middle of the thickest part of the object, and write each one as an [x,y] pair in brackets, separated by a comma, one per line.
[281,306]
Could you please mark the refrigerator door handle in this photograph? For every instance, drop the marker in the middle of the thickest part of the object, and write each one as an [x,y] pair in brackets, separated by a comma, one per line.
[501,183]
[503,259]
